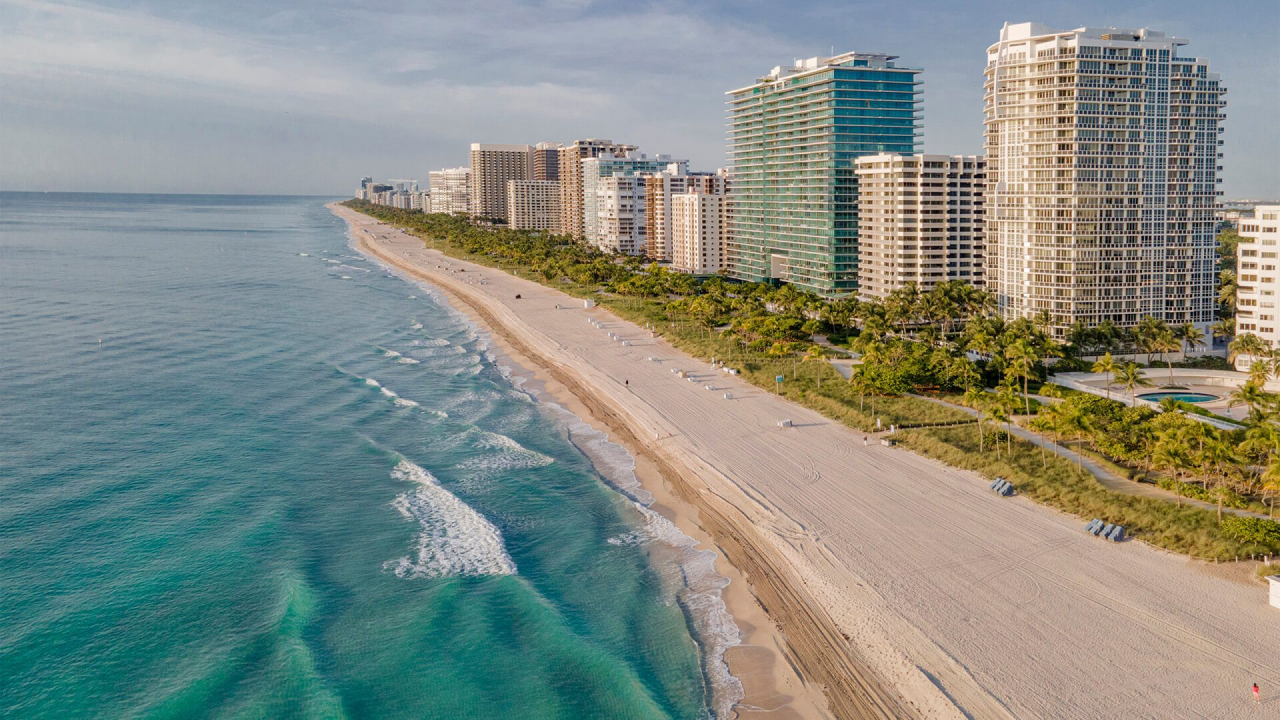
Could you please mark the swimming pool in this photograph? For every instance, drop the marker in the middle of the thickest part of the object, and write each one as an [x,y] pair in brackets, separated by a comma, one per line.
[1191,397]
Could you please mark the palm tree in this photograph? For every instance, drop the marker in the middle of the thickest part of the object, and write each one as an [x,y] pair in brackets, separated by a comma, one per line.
[1007,397]
[976,397]
[1164,343]
[815,353]
[1223,329]
[996,414]
[858,379]
[1251,395]
[1106,364]
[1130,377]
[1191,335]
[1271,482]
[1022,357]
[1248,345]
[1073,420]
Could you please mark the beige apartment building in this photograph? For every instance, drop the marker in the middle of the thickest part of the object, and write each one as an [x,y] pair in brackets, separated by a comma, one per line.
[1103,164]
[1258,278]
[570,176]
[919,221]
[698,225]
[660,187]
[450,190]
[492,167]
[534,205]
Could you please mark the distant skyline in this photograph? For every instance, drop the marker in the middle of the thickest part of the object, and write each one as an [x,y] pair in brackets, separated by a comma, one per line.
[306,97]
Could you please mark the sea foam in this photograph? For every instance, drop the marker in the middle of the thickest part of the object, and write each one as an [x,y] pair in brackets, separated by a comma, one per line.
[455,540]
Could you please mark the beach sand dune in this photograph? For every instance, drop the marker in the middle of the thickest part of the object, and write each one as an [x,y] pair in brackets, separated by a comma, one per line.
[902,587]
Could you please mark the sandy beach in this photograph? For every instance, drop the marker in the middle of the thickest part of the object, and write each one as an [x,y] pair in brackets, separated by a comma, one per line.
[896,586]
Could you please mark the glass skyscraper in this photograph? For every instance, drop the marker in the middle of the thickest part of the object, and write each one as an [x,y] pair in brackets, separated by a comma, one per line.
[793,137]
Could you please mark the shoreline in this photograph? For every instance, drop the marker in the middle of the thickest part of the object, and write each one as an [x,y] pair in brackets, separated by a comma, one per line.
[772,685]
[902,586]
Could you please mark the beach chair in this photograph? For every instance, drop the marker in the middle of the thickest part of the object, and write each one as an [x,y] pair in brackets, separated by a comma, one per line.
[1006,489]
[1096,529]
[1117,534]
[1106,529]
[993,484]
[1092,524]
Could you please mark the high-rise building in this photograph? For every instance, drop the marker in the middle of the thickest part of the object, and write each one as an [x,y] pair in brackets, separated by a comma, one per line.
[546,161]
[492,167]
[793,137]
[659,189]
[451,190]
[571,195]
[1102,171]
[698,222]
[620,218]
[919,221]
[632,163]
[1258,278]
[534,205]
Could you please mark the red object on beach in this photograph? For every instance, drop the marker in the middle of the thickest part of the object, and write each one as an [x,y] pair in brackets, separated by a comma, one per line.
[1257,695]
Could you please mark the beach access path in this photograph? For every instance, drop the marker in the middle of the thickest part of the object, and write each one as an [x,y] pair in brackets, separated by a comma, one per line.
[947,600]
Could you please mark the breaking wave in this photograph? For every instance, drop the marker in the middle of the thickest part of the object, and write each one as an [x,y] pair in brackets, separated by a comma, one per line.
[455,540]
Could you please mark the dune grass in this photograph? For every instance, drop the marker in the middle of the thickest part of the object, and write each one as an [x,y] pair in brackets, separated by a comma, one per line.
[1056,482]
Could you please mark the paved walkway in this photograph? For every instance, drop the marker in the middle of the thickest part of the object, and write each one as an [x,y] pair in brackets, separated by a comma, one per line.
[1105,477]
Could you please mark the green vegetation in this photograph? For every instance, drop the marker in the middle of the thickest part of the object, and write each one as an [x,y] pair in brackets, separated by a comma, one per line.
[946,343]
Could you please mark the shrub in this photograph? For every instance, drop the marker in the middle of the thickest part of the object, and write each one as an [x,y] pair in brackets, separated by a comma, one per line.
[1230,498]
[1259,531]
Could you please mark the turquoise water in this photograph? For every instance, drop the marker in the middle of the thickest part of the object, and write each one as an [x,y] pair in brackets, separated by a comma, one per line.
[246,473]
[1181,396]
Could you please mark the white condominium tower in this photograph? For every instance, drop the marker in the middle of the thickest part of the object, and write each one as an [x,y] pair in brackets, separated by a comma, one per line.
[919,221]
[1102,170]
[450,190]
[698,224]
[572,220]
[598,206]
[492,167]
[534,205]
[1258,278]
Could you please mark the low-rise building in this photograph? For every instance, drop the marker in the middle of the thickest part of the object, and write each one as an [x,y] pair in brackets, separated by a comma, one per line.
[1258,279]
[920,220]
[534,205]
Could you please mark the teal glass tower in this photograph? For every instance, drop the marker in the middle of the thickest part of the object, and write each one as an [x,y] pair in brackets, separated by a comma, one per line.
[793,138]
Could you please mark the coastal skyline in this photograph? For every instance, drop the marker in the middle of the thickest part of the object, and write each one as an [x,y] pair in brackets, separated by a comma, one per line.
[291,99]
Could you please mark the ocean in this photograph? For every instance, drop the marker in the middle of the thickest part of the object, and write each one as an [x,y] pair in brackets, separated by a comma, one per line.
[245,472]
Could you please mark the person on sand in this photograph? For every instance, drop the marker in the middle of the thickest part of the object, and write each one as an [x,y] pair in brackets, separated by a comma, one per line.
[627,383]
[864,440]
[1257,694]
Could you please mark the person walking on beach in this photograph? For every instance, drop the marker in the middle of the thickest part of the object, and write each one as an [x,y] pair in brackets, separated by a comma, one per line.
[1257,694]
[864,440]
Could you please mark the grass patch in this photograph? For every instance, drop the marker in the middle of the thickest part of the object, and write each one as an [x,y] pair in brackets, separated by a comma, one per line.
[1056,483]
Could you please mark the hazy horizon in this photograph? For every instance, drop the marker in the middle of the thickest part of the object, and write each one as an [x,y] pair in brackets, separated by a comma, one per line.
[294,98]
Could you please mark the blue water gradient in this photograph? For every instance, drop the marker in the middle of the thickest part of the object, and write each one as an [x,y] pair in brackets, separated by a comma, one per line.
[244,472]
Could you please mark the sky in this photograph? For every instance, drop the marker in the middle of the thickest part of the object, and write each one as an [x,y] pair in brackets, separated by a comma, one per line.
[294,97]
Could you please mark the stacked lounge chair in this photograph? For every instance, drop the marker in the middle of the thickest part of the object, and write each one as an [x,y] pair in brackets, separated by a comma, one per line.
[1001,487]
[1110,531]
